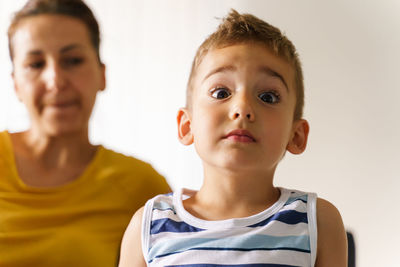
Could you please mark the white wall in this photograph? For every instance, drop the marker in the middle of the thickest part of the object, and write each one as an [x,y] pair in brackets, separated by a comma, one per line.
[350,53]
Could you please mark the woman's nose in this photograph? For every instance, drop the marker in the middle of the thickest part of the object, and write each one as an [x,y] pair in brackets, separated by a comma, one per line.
[54,77]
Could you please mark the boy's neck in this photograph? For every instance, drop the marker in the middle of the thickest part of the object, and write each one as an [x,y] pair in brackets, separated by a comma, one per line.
[232,194]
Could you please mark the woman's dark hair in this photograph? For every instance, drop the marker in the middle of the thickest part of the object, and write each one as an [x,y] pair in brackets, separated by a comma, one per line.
[73,8]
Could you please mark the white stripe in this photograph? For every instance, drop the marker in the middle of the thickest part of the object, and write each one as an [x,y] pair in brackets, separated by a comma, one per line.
[148,208]
[163,198]
[296,193]
[235,257]
[312,224]
[297,206]
[162,214]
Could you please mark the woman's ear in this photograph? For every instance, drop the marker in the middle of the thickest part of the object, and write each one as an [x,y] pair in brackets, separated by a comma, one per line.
[16,88]
[298,140]
[103,77]
[184,127]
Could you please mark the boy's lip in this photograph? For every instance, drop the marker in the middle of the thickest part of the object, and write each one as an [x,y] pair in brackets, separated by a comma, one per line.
[240,135]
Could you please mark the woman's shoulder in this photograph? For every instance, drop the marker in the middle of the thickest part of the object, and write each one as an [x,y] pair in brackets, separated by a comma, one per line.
[122,161]
[4,140]
[6,149]
[128,170]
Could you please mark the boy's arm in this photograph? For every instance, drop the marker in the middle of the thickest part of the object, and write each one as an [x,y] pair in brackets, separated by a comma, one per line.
[332,240]
[131,247]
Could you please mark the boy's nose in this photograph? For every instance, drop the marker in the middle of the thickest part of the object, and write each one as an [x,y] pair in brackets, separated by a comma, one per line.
[238,115]
[242,110]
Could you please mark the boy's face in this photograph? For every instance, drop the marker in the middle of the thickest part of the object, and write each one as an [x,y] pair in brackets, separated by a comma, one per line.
[242,109]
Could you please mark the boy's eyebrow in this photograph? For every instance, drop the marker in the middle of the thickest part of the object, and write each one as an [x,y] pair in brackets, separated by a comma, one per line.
[264,69]
[220,69]
[273,73]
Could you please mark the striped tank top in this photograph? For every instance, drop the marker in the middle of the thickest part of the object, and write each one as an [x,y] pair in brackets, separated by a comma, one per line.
[283,235]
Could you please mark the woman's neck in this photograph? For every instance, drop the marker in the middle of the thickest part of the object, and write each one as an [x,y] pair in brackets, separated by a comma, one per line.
[52,152]
[44,161]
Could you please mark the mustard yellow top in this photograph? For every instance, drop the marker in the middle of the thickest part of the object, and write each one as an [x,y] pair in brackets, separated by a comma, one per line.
[77,224]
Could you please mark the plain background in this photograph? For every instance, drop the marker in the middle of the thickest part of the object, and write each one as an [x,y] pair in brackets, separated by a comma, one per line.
[350,54]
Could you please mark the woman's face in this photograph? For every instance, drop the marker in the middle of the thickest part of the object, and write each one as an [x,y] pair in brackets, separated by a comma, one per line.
[56,73]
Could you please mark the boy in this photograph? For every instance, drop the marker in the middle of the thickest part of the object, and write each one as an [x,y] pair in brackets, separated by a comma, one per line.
[244,111]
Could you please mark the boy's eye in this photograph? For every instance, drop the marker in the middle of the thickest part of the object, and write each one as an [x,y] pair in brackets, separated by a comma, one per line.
[269,97]
[220,93]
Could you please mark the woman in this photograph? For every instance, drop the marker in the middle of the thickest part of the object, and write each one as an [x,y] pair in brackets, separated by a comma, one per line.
[63,201]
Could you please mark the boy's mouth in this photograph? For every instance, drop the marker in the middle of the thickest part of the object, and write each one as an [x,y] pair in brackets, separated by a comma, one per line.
[240,135]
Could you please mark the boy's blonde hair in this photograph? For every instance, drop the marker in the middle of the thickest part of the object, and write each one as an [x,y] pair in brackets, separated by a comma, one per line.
[242,28]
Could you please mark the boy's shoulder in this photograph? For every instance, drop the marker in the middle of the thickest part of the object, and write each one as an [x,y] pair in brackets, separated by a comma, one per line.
[332,240]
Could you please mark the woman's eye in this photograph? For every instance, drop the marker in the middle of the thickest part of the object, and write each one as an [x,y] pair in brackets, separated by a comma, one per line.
[73,61]
[220,93]
[36,65]
[269,97]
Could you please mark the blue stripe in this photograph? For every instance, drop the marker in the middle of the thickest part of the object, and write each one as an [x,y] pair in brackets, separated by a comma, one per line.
[168,225]
[238,265]
[238,243]
[303,199]
[173,211]
[163,206]
[287,216]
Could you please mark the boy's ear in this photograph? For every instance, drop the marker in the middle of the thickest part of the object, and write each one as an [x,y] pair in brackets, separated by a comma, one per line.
[184,127]
[298,141]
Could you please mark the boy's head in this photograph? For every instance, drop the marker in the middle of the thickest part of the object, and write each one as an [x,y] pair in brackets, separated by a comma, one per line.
[245,28]
[245,98]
